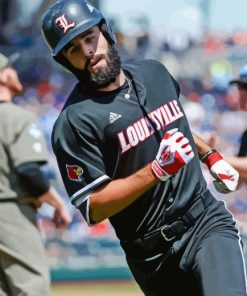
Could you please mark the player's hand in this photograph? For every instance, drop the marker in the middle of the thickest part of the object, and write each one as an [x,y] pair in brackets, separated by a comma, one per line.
[226,177]
[61,217]
[174,153]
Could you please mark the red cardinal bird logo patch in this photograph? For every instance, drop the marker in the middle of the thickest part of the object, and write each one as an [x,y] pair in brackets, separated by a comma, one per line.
[74,172]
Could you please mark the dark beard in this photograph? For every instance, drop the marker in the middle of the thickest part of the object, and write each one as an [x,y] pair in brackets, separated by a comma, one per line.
[103,77]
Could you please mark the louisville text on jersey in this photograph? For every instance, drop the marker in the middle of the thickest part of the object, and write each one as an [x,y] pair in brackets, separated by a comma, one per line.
[142,129]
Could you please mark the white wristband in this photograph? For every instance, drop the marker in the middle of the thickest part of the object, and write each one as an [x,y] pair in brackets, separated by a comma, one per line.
[161,174]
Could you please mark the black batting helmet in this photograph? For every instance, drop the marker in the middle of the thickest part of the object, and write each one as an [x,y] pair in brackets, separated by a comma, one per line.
[66,19]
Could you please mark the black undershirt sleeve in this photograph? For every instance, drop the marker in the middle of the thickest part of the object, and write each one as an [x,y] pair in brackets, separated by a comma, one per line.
[34,180]
[243,145]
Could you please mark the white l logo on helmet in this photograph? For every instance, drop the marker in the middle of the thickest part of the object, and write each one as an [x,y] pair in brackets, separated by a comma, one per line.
[63,23]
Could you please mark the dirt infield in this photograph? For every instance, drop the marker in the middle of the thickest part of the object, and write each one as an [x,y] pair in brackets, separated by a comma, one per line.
[126,288]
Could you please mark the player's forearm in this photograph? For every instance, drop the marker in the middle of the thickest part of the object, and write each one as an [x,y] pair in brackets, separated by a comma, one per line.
[240,164]
[202,147]
[51,197]
[119,194]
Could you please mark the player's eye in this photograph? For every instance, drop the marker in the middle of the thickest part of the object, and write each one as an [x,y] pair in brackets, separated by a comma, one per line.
[89,38]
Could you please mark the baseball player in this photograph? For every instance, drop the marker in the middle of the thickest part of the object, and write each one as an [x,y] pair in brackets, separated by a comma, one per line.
[23,188]
[240,161]
[126,153]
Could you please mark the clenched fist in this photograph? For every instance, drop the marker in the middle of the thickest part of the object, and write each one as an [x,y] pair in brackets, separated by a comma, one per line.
[226,177]
[174,153]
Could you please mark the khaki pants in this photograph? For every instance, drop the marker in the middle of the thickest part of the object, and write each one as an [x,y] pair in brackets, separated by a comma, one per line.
[23,263]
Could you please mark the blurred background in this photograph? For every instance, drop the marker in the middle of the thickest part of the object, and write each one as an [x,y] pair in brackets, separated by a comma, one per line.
[203,43]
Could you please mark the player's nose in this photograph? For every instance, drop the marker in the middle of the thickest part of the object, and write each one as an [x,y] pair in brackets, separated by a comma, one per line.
[87,49]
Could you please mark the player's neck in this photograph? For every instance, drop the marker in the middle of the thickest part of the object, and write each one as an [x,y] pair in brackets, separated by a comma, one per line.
[117,83]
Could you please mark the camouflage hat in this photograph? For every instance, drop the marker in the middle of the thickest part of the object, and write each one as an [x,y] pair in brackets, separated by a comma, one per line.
[8,61]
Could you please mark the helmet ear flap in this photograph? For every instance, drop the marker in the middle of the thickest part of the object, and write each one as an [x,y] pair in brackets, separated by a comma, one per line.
[106,29]
[59,58]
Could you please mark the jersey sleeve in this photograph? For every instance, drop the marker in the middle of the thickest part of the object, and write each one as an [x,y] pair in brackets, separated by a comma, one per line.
[28,143]
[80,162]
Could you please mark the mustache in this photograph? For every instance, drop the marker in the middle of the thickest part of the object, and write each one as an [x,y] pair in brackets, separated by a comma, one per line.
[93,60]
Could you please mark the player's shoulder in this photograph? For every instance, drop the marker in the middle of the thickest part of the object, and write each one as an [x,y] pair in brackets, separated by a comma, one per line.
[145,64]
[59,128]
[244,135]
[16,112]
[150,71]
[68,105]
[60,122]
[66,126]
[11,108]
[63,125]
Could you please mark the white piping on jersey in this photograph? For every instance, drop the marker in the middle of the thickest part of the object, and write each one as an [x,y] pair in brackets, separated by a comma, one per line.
[87,188]
[87,217]
[87,212]
[81,199]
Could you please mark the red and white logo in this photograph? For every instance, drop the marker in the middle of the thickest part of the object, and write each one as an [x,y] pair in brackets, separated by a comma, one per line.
[74,172]
[64,24]
[166,156]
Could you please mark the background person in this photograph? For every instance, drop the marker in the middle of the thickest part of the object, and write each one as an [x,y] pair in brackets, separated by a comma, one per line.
[240,161]
[23,189]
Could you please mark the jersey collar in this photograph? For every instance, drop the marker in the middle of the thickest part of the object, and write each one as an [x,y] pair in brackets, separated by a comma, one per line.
[138,83]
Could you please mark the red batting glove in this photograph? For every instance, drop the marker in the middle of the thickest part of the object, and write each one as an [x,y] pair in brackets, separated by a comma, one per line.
[174,153]
[226,177]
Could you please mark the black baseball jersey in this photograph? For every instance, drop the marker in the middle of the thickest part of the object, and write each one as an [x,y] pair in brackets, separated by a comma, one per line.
[243,145]
[102,136]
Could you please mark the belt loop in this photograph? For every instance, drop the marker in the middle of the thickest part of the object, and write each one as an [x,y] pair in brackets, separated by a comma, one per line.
[194,212]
